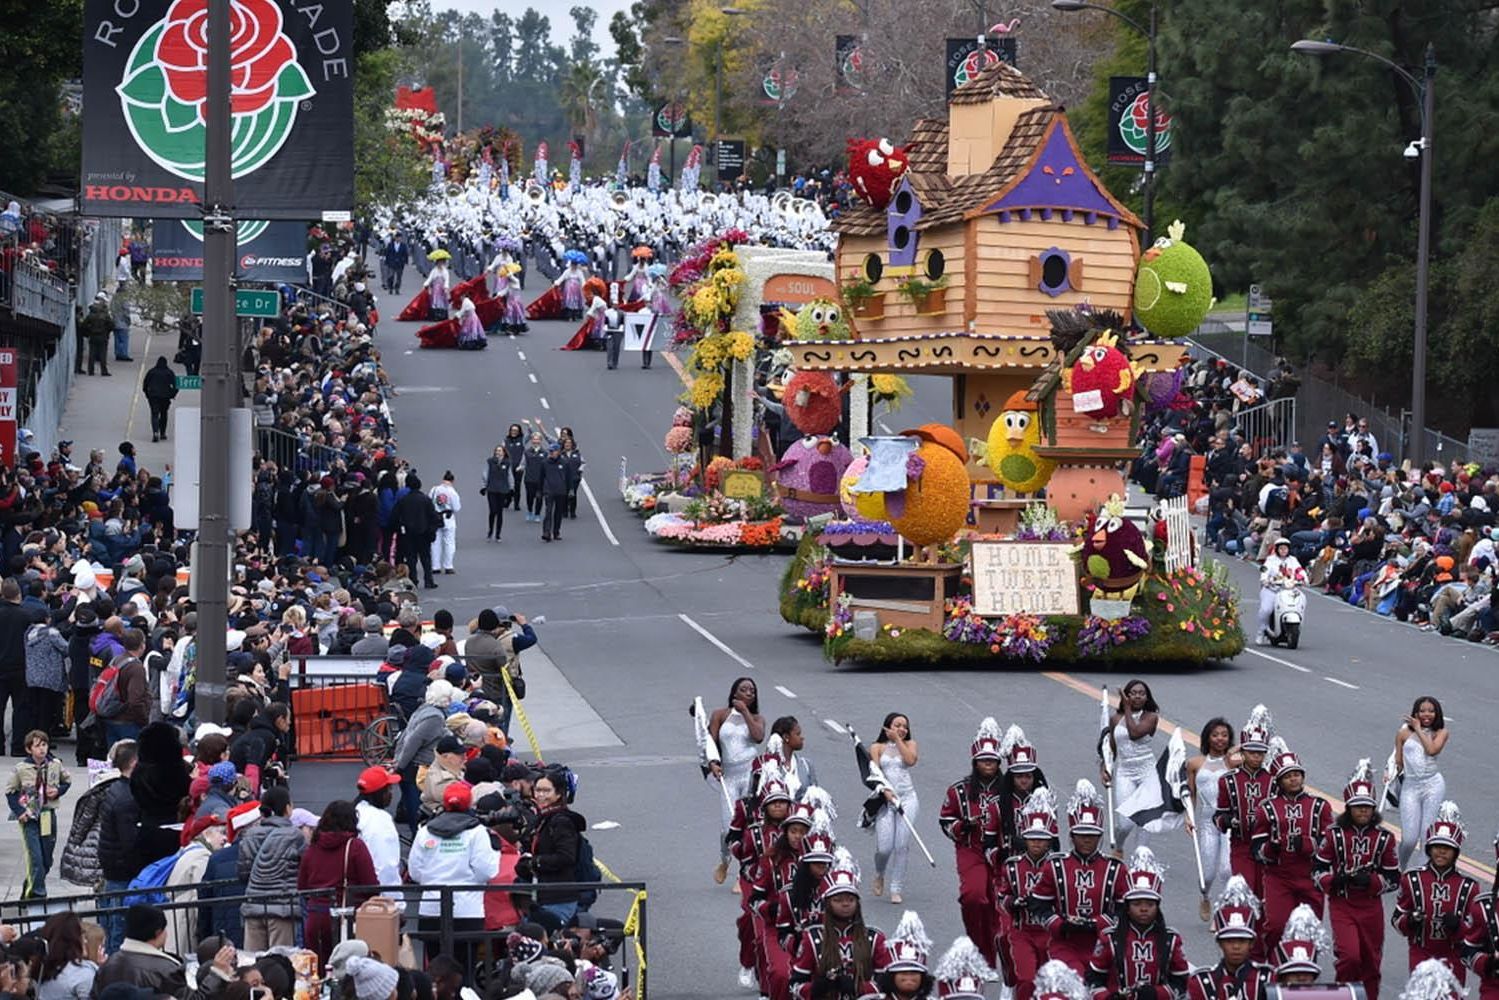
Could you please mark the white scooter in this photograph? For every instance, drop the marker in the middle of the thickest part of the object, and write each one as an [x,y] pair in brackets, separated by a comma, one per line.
[1290,609]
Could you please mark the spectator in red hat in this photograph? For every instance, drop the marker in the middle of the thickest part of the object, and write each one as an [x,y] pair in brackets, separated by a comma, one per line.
[376,826]
[454,849]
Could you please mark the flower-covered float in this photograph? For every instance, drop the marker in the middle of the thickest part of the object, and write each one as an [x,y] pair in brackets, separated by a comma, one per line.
[1000,261]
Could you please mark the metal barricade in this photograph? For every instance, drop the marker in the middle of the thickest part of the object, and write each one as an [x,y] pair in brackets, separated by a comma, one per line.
[1268,426]
[624,934]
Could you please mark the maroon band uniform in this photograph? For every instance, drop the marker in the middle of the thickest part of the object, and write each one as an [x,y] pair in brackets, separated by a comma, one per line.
[1128,958]
[1480,945]
[962,820]
[1354,867]
[1287,830]
[1429,909]
[1083,894]
[1248,982]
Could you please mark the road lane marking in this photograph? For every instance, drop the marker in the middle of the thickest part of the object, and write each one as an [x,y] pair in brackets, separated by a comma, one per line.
[786,691]
[521,355]
[1276,659]
[1475,868]
[597,512]
[715,640]
[835,727]
[532,377]
[544,404]
[1334,680]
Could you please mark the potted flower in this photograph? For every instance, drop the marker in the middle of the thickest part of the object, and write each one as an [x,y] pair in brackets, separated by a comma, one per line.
[929,297]
[863,300]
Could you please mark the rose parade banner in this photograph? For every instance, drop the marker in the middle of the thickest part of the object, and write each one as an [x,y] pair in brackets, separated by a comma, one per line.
[670,120]
[966,58]
[1128,122]
[145,84]
[268,251]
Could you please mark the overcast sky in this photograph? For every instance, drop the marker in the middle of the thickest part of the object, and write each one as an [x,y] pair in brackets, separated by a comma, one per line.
[556,10]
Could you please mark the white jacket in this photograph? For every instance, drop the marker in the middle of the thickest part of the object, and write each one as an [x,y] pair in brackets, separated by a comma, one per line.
[378,831]
[1275,567]
[453,849]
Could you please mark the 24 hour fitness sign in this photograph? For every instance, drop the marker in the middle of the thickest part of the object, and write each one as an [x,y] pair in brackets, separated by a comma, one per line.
[145,85]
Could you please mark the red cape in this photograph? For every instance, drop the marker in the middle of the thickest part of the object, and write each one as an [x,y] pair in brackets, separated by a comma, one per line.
[547,306]
[444,334]
[420,307]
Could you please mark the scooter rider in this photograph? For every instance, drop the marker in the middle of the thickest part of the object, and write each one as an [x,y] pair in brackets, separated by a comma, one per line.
[1279,565]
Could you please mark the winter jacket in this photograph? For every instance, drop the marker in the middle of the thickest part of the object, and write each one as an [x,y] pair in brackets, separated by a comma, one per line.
[515,453]
[119,824]
[223,917]
[73,981]
[424,728]
[273,872]
[497,479]
[80,855]
[80,650]
[554,476]
[182,925]
[344,639]
[554,852]
[378,831]
[535,459]
[102,650]
[27,788]
[159,783]
[411,683]
[572,461]
[160,382]
[327,865]
[487,654]
[14,622]
[453,849]
[373,644]
[46,658]
[437,781]
[417,518]
[139,964]
[134,693]
[255,748]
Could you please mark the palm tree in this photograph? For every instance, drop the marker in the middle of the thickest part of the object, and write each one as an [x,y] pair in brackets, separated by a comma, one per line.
[577,96]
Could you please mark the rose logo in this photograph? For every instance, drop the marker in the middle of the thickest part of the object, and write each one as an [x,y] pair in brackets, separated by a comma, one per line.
[1134,125]
[164,92]
[976,62]
[672,118]
[780,86]
[852,67]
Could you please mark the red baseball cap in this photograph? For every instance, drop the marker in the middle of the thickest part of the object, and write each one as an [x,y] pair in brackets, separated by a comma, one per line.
[458,797]
[372,779]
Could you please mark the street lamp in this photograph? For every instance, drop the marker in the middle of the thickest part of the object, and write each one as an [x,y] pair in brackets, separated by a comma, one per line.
[718,85]
[1424,87]
[671,140]
[1150,84]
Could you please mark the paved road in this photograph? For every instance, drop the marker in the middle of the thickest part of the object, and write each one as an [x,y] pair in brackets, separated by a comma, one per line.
[638,629]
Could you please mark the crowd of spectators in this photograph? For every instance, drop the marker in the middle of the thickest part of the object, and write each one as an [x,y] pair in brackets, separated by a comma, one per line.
[1413,543]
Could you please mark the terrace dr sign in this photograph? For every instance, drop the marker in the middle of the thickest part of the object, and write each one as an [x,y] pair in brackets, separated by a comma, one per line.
[247,302]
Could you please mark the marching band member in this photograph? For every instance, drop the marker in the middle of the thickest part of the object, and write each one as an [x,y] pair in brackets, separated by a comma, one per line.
[838,957]
[1301,945]
[1022,939]
[1236,976]
[1354,866]
[798,906]
[769,876]
[906,976]
[962,820]
[1480,941]
[1080,890]
[1204,771]
[1022,776]
[1137,955]
[1432,900]
[1240,793]
[1287,830]
[896,753]
[1057,981]
[758,840]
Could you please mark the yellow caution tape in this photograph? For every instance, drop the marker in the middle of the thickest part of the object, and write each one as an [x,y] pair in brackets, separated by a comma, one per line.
[525,723]
[631,928]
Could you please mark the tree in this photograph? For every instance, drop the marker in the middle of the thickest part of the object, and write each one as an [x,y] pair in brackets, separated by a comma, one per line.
[581,47]
[389,168]
[39,49]
[579,96]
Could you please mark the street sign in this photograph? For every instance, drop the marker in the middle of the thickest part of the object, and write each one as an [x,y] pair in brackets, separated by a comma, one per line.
[189,381]
[247,302]
[1258,312]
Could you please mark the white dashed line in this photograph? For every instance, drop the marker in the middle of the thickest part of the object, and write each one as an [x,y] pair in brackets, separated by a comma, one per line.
[787,692]
[597,512]
[521,355]
[1276,659]
[544,404]
[835,727]
[532,377]
[1341,684]
[715,640]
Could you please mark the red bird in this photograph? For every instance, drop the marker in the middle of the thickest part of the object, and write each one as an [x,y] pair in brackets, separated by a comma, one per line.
[875,167]
[1102,380]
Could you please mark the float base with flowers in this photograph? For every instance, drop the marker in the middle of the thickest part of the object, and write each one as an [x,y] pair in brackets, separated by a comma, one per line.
[1188,615]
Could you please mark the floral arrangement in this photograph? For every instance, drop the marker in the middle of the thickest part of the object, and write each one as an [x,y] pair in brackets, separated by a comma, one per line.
[841,621]
[713,478]
[814,583]
[640,495]
[1019,636]
[679,440]
[1039,523]
[1098,635]
[685,530]
[425,126]
[708,283]
[892,390]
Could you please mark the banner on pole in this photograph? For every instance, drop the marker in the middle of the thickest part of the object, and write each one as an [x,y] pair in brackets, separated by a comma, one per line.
[1129,123]
[670,120]
[8,402]
[848,56]
[268,251]
[966,58]
[145,83]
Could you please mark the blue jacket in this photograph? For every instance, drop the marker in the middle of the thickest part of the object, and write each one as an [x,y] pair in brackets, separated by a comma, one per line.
[397,254]
[411,686]
[222,918]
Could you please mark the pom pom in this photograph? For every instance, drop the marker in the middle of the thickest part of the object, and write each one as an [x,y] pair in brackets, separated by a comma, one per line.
[843,859]
[1042,800]
[988,729]
[1144,860]
[1084,794]
[1056,977]
[1014,736]
[911,929]
[962,959]
[1259,718]
[1304,925]
[1238,893]
[819,799]
[1431,980]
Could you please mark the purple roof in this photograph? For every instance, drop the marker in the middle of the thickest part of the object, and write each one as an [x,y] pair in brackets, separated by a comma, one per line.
[1058,181]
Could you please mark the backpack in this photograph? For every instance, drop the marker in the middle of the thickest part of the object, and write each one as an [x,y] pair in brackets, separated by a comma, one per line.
[104,697]
[152,877]
[587,870]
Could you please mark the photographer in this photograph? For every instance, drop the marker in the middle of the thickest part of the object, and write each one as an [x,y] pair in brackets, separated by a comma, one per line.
[496,640]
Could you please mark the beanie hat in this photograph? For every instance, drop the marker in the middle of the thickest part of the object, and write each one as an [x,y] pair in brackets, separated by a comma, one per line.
[488,620]
[222,773]
[599,984]
[345,950]
[540,977]
[522,948]
[373,980]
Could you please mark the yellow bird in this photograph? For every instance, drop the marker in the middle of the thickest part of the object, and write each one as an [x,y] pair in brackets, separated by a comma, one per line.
[1011,447]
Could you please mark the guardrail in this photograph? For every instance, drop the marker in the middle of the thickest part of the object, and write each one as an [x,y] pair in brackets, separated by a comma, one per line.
[632,927]
[1268,426]
[290,451]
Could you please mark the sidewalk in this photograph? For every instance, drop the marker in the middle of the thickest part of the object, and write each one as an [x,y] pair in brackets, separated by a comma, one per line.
[102,412]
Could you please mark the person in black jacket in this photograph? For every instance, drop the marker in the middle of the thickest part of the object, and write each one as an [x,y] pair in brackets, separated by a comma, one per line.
[160,388]
[260,747]
[119,819]
[498,490]
[416,519]
[554,851]
[14,621]
[159,783]
[515,456]
[554,492]
[535,460]
[85,626]
[572,458]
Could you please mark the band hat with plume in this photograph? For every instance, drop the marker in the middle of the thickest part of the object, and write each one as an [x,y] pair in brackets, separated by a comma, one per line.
[961,972]
[1017,752]
[1147,875]
[819,844]
[1237,912]
[843,877]
[910,947]
[1056,980]
[1432,980]
[1085,809]
[1447,829]
[986,741]
[1301,943]
[1038,819]
[1257,731]
[1360,788]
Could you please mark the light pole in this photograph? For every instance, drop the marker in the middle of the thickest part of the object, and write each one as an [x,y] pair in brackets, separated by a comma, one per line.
[1150,84]
[1425,90]
[671,139]
[718,86]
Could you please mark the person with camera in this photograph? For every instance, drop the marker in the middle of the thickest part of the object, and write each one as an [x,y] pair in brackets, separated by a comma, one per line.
[453,849]
[496,640]
[553,856]
[141,961]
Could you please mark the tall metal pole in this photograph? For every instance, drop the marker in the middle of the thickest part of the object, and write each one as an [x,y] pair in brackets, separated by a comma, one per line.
[211,573]
[717,102]
[460,84]
[1150,81]
[1423,260]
